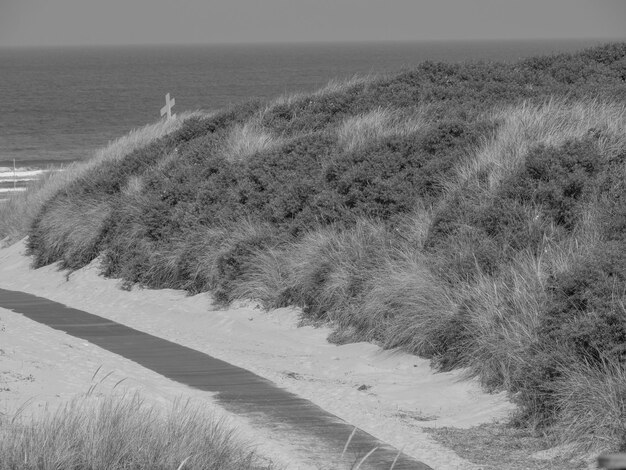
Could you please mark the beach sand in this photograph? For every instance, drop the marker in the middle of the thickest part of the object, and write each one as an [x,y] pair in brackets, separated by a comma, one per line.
[390,394]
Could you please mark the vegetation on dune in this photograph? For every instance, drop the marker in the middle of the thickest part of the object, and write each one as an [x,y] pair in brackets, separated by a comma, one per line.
[470,213]
[18,212]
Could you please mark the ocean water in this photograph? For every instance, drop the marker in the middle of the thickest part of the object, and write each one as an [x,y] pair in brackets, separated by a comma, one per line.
[59,105]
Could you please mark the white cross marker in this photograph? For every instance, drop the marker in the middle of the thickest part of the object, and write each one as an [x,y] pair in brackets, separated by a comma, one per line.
[167,109]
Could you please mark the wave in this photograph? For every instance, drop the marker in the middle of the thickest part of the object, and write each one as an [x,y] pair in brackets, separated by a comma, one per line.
[12,190]
[27,173]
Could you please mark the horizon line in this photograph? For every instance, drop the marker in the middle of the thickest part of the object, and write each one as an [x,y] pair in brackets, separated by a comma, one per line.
[312,43]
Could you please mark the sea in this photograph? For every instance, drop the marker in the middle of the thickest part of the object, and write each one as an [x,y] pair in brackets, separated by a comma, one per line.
[58,105]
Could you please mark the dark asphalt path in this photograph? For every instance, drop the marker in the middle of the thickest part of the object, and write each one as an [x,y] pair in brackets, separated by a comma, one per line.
[237,390]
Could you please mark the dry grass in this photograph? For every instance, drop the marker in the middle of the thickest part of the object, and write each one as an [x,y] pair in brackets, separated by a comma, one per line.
[496,447]
[245,140]
[141,137]
[559,257]
[358,131]
[121,432]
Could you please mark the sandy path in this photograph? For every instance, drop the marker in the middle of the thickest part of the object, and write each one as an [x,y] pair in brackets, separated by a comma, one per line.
[400,396]
[288,417]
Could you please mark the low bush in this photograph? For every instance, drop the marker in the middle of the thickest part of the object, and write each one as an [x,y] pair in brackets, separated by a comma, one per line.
[18,213]
[391,175]
[587,310]
[558,179]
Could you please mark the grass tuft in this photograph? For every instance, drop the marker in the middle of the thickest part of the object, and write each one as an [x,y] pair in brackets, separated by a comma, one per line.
[116,433]
[358,131]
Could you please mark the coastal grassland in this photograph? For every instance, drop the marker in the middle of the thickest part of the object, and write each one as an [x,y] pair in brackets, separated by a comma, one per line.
[474,214]
[121,432]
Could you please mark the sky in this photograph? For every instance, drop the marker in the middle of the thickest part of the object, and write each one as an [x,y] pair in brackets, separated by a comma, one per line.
[117,22]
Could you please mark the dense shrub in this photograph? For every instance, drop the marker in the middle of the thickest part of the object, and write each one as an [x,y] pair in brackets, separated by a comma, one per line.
[584,324]
[279,185]
[392,175]
[587,310]
[557,179]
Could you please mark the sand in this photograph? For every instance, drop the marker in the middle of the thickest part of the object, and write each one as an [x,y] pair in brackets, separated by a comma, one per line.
[390,394]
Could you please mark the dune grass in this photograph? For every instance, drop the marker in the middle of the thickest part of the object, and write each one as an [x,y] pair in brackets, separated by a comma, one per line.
[121,432]
[247,139]
[359,131]
[470,213]
[591,401]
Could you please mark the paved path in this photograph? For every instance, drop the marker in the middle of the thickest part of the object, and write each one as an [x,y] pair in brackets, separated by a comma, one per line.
[237,390]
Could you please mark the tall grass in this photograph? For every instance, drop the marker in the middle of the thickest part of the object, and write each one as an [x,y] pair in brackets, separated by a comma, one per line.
[329,267]
[268,280]
[247,139]
[591,400]
[502,314]
[72,230]
[115,433]
[404,305]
